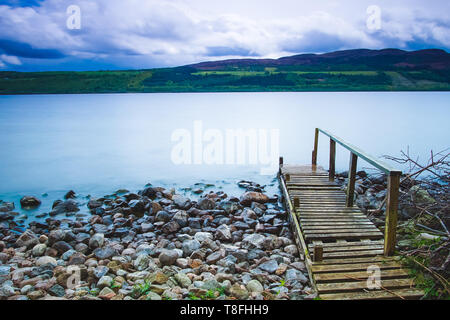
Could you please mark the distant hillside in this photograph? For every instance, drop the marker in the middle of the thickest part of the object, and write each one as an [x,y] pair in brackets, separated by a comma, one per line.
[359,59]
[350,70]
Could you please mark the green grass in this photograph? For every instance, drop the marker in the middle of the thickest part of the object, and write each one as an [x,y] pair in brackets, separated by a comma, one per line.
[209,295]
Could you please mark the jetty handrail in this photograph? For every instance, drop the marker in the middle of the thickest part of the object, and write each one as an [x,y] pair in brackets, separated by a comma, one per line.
[360,153]
[393,182]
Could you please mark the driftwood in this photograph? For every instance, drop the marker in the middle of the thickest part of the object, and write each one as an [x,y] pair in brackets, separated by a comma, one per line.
[434,177]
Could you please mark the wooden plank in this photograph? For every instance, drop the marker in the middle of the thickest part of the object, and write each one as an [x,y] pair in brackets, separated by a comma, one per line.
[353,248]
[356,243]
[360,275]
[354,267]
[354,227]
[319,195]
[317,212]
[331,215]
[321,192]
[332,220]
[328,231]
[293,187]
[308,197]
[353,254]
[325,203]
[362,285]
[339,218]
[375,295]
[312,199]
[340,210]
[356,235]
[316,209]
[376,259]
[311,185]
[311,178]
[334,223]
[316,198]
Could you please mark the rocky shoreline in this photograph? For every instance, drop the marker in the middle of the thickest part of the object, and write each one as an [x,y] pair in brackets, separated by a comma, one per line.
[159,245]
[154,245]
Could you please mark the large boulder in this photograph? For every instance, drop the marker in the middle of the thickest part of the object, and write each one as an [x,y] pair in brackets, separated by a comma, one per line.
[137,206]
[206,204]
[270,266]
[255,286]
[181,217]
[105,253]
[170,227]
[254,240]
[94,203]
[223,233]
[30,202]
[190,246]
[181,202]
[239,292]
[7,206]
[70,195]
[97,241]
[67,206]
[230,207]
[149,192]
[168,257]
[248,197]
[27,239]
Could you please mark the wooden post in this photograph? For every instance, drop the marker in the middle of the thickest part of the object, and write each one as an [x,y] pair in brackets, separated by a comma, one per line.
[332,159]
[296,202]
[316,144]
[280,166]
[318,253]
[390,231]
[288,177]
[351,179]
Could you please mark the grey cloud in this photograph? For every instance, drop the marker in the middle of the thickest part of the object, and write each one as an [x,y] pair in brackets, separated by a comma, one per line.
[161,33]
[25,50]
[317,41]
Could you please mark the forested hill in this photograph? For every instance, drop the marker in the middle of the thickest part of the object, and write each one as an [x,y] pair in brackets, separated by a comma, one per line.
[359,59]
[350,70]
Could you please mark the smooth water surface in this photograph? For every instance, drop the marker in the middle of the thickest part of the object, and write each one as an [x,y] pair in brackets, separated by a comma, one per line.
[96,144]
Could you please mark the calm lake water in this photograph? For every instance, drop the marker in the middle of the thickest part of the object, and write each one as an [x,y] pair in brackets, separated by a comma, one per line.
[96,144]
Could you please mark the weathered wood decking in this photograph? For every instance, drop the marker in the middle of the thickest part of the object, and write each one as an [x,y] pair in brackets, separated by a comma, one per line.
[342,247]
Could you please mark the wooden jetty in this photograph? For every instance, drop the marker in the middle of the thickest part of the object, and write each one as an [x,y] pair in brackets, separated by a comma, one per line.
[347,256]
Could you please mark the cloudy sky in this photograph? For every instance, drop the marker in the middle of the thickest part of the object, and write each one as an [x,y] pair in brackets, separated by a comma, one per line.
[130,34]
